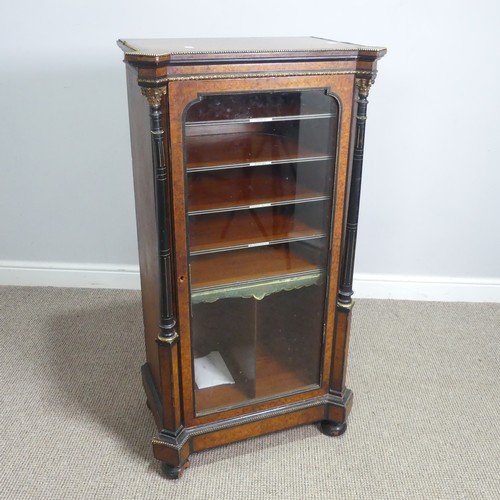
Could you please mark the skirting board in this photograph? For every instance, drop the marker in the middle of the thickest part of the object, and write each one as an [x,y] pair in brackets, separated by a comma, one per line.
[426,288]
[70,275]
[373,286]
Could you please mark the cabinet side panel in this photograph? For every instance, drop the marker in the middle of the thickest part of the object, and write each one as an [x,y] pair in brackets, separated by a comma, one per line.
[140,136]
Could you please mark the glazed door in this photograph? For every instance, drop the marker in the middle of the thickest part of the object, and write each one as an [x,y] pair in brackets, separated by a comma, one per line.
[259,176]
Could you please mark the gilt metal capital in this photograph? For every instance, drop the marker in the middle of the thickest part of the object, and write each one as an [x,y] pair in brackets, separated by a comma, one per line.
[154,95]
[363,85]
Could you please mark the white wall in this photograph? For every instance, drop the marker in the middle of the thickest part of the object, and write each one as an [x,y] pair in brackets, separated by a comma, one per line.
[430,204]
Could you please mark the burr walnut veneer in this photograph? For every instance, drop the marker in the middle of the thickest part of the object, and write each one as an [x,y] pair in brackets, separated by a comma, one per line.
[247,158]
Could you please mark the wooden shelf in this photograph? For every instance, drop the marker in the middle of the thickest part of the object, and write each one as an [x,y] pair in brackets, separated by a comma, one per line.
[272,379]
[228,150]
[260,106]
[219,396]
[216,269]
[258,289]
[264,117]
[217,232]
[248,188]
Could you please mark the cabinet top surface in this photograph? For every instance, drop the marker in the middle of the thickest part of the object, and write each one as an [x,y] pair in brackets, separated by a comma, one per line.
[228,48]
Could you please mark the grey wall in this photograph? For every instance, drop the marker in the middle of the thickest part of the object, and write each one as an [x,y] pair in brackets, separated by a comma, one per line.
[429,207]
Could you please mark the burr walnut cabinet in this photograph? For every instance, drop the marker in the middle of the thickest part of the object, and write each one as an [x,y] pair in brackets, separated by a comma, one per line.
[247,157]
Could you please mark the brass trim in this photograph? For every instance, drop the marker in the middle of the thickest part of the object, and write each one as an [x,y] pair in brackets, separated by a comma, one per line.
[221,76]
[354,48]
[243,421]
[154,95]
[347,307]
[168,340]
[124,42]
[170,445]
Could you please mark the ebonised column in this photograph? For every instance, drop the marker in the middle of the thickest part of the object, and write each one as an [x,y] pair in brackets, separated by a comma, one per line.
[167,337]
[345,303]
[345,293]
[167,325]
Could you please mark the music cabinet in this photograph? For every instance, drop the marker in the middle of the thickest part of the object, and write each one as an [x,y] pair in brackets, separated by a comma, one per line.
[247,157]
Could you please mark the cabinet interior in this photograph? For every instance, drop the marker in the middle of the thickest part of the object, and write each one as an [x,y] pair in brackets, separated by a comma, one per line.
[260,170]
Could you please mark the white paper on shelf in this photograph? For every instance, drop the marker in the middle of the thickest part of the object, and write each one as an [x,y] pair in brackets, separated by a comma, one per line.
[211,370]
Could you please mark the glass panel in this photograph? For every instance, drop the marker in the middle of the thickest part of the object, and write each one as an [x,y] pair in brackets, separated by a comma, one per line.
[260,171]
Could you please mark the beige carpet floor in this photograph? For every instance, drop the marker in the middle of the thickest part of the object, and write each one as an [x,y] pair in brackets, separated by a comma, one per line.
[74,425]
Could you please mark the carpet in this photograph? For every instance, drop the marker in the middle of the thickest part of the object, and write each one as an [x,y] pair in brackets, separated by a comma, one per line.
[74,423]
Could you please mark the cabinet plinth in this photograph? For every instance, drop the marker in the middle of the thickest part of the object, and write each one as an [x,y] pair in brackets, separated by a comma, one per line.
[247,158]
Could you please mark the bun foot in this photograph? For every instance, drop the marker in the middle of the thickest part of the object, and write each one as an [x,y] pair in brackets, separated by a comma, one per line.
[332,428]
[173,472]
